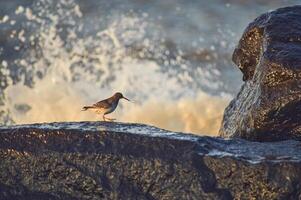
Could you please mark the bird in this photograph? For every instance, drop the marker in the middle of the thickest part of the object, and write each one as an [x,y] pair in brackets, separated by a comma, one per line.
[106,106]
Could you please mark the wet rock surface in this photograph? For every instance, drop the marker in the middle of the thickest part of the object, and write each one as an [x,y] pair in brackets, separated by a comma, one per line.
[268,106]
[97,160]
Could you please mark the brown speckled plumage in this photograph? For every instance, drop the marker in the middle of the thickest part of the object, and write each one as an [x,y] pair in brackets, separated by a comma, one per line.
[106,106]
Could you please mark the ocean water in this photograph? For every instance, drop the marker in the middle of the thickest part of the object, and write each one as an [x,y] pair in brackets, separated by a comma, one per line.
[172,58]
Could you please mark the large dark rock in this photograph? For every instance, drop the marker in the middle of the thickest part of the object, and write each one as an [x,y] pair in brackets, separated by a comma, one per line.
[93,160]
[268,106]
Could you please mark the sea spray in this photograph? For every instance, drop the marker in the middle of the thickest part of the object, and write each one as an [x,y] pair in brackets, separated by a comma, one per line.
[200,115]
[62,66]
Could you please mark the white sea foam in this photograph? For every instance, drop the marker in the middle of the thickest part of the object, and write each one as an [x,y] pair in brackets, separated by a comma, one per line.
[80,69]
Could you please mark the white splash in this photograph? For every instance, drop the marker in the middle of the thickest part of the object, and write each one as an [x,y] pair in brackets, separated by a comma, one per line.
[80,69]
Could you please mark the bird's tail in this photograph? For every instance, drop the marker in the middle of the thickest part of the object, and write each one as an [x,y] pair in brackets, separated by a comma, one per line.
[86,108]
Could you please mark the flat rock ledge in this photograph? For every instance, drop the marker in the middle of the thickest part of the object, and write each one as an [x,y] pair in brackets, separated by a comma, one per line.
[103,160]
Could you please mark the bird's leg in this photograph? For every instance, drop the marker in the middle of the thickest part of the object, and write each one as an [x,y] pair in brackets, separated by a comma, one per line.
[109,118]
[103,117]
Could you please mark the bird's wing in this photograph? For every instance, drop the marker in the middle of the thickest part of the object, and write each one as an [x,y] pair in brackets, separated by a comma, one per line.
[102,104]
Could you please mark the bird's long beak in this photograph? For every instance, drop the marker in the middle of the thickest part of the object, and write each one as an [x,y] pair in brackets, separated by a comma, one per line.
[125,98]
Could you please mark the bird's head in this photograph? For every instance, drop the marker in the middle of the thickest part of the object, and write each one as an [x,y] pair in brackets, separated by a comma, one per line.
[119,95]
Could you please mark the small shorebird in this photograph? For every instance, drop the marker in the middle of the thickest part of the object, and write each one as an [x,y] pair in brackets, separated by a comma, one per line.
[106,106]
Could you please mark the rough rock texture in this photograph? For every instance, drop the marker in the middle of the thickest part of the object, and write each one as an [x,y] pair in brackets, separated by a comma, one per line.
[93,160]
[268,106]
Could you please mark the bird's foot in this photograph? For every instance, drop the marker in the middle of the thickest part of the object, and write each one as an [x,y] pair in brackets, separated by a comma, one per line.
[108,119]
[111,120]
